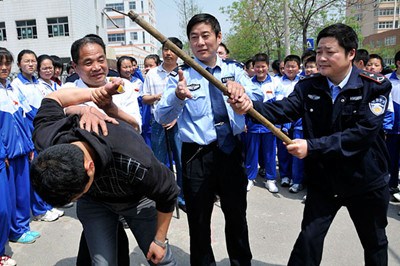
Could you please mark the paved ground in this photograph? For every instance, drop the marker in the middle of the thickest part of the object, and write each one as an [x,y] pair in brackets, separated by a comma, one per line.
[274,222]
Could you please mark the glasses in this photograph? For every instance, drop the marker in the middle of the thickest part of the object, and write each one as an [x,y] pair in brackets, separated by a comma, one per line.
[47,69]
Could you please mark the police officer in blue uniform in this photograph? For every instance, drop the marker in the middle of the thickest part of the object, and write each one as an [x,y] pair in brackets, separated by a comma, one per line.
[211,164]
[345,156]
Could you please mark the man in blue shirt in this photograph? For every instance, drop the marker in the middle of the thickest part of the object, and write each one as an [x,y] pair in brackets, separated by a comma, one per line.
[211,164]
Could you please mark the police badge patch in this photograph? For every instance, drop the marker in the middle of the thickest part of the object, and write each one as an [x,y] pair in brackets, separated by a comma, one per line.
[378,105]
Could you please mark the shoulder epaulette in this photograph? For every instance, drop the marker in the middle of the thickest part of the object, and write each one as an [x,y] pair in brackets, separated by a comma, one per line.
[233,61]
[174,72]
[378,78]
[310,76]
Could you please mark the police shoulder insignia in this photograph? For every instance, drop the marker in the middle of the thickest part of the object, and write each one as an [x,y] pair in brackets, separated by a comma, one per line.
[174,72]
[378,105]
[232,61]
[378,78]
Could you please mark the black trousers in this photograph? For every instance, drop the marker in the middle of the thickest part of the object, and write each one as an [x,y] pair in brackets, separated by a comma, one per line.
[206,172]
[84,259]
[368,213]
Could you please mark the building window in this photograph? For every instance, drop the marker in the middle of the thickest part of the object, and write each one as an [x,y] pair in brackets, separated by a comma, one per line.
[58,27]
[358,17]
[132,5]
[384,25]
[116,6]
[3,35]
[118,21]
[134,36]
[26,29]
[118,37]
[385,12]
[391,40]
[144,37]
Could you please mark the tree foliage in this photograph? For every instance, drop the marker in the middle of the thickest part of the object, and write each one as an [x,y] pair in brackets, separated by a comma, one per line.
[187,9]
[258,25]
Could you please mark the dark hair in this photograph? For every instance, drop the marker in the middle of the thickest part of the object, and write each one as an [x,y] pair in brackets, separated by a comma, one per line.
[345,35]
[361,54]
[77,45]
[40,60]
[122,58]
[203,18]
[308,53]
[397,57]
[261,57]
[155,57]
[376,56]
[68,67]
[293,57]
[311,59]
[5,54]
[248,63]
[24,52]
[57,61]
[226,48]
[58,174]
[175,41]
[275,65]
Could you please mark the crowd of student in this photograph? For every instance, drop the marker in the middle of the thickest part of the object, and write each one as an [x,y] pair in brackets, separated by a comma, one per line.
[21,98]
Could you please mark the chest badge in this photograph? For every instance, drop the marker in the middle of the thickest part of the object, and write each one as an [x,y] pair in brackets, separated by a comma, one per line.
[225,79]
[193,87]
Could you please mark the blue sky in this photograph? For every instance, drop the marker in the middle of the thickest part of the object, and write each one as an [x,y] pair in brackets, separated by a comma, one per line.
[168,18]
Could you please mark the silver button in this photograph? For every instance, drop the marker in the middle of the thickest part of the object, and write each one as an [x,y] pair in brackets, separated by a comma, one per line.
[335,196]
[342,100]
[311,110]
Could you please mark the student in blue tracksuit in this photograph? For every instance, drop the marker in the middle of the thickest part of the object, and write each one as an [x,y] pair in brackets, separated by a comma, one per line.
[17,140]
[4,205]
[393,135]
[34,91]
[259,140]
[288,81]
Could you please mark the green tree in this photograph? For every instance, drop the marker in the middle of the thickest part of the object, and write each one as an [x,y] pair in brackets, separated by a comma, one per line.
[187,9]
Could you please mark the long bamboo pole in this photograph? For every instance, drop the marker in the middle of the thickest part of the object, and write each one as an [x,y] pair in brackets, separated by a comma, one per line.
[188,60]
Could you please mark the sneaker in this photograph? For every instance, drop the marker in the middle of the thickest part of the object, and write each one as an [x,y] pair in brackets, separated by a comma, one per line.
[271,186]
[250,184]
[26,238]
[35,234]
[261,172]
[48,216]
[396,196]
[68,205]
[295,188]
[182,204]
[285,182]
[394,190]
[57,211]
[7,261]
[304,199]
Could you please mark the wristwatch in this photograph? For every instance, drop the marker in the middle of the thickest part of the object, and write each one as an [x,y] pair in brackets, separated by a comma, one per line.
[160,243]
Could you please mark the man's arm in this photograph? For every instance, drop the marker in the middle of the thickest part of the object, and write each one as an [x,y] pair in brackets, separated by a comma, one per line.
[156,252]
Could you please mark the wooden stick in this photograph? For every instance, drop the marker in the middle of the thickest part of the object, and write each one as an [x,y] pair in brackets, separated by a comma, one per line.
[188,60]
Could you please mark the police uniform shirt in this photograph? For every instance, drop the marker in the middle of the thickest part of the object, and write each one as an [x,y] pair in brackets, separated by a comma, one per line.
[126,101]
[195,117]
